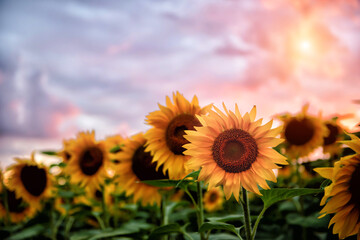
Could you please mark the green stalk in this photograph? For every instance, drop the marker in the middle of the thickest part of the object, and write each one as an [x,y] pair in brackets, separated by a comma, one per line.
[6,205]
[257,223]
[245,205]
[200,209]
[69,222]
[106,216]
[301,199]
[164,217]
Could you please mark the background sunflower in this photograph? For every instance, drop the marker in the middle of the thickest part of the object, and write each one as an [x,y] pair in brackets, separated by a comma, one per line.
[135,166]
[213,199]
[89,160]
[29,180]
[166,139]
[331,143]
[302,133]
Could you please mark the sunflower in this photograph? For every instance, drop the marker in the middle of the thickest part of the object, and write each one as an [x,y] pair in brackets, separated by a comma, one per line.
[344,192]
[29,180]
[234,151]
[302,133]
[331,142]
[136,165]
[18,209]
[89,160]
[213,199]
[166,139]
[115,145]
[94,197]
[64,154]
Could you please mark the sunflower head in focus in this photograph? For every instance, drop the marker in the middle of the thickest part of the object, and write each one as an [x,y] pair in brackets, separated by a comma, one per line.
[331,143]
[89,160]
[344,192]
[302,133]
[136,165]
[166,139]
[213,199]
[233,151]
[29,180]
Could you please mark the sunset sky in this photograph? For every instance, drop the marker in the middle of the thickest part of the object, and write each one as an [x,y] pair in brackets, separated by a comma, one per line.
[67,66]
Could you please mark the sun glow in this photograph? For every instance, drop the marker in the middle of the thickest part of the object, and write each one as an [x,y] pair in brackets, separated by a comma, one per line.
[305,46]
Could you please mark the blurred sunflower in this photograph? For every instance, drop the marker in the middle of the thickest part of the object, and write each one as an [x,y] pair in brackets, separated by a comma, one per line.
[89,160]
[136,165]
[64,154]
[213,199]
[344,192]
[29,180]
[18,209]
[94,197]
[166,139]
[115,145]
[331,142]
[302,133]
[234,151]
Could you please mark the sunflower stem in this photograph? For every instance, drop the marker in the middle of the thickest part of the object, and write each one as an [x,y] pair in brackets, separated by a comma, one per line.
[200,208]
[6,205]
[257,223]
[300,184]
[164,217]
[69,222]
[192,198]
[246,209]
[106,216]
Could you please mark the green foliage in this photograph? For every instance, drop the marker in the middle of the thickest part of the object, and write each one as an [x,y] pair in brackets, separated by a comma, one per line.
[28,232]
[208,226]
[274,195]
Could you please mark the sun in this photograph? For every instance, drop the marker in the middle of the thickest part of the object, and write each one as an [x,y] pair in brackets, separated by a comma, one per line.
[305,46]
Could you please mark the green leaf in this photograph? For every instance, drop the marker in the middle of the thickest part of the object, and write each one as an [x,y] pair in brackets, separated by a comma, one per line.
[307,221]
[84,234]
[66,194]
[162,182]
[115,149]
[271,196]
[194,175]
[112,233]
[228,218]
[223,236]
[28,232]
[165,230]
[218,226]
[50,153]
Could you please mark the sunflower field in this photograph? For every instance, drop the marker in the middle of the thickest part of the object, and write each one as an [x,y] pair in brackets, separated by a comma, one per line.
[198,173]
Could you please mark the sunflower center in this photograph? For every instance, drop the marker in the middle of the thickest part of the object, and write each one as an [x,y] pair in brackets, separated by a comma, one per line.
[234,150]
[67,156]
[299,132]
[34,179]
[176,130]
[333,133]
[91,160]
[213,197]
[144,168]
[98,195]
[16,205]
[354,187]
